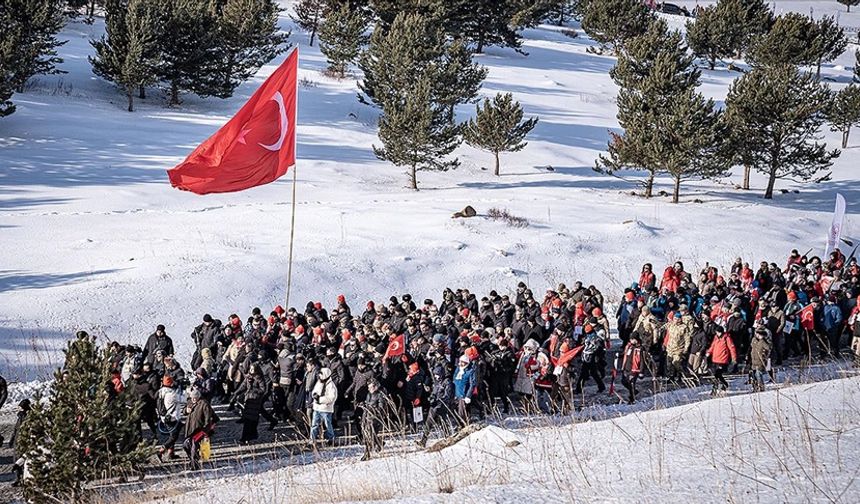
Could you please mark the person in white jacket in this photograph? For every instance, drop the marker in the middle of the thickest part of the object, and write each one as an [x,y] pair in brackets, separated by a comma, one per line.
[324,395]
[170,406]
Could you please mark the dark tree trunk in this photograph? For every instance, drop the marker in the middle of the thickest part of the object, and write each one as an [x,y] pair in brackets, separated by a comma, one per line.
[413,177]
[130,96]
[676,193]
[174,94]
[649,185]
[845,136]
[747,170]
[768,193]
[142,93]
[497,164]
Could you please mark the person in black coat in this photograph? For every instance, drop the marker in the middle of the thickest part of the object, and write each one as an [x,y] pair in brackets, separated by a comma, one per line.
[250,395]
[144,392]
[441,401]
[159,340]
[501,363]
[204,336]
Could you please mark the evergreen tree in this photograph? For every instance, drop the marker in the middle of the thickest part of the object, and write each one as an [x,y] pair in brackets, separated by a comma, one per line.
[189,48]
[743,21]
[498,127]
[341,38]
[7,57]
[309,15]
[485,22]
[791,41]
[30,28]
[87,431]
[668,127]
[849,3]
[247,38]
[128,52]
[778,112]
[829,42]
[612,22]
[416,132]
[708,36]
[844,111]
[413,47]
[408,74]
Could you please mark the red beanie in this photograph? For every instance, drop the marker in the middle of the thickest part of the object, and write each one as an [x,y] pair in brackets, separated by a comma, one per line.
[370,305]
[318,306]
[629,296]
[341,299]
[279,310]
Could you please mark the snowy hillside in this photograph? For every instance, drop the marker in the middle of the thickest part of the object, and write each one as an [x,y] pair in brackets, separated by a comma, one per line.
[788,445]
[95,238]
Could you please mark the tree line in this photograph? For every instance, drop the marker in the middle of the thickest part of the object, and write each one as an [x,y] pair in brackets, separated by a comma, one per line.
[774,112]
[205,47]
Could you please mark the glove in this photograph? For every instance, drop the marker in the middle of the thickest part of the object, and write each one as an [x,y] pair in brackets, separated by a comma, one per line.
[316,396]
[467,400]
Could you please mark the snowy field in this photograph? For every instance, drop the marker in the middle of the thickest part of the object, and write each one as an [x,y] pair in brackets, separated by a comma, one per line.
[95,238]
[797,444]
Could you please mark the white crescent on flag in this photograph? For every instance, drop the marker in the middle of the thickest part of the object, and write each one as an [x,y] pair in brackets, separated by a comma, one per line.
[285,125]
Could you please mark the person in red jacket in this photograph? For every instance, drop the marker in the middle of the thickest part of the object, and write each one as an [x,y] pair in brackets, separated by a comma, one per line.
[631,365]
[722,353]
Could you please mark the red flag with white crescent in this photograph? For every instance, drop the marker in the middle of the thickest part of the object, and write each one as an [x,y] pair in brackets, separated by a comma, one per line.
[395,347]
[807,318]
[255,147]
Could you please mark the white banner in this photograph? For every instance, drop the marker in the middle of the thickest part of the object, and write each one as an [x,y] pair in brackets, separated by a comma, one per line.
[835,232]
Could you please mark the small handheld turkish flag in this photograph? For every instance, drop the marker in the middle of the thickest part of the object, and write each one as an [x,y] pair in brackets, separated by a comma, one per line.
[255,147]
[395,348]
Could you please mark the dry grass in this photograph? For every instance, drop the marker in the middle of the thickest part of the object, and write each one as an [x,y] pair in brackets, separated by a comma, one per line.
[506,217]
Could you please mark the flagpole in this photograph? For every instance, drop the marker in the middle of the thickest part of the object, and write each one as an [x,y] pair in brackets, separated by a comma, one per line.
[293,217]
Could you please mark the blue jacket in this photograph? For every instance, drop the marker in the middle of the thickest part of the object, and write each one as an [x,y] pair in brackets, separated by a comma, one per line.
[832,317]
[464,381]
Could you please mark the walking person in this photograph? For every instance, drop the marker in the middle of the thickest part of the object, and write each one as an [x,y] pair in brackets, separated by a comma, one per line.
[200,425]
[324,396]
[722,354]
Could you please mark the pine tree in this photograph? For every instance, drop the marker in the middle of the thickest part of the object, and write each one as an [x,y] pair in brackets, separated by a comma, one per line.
[341,38]
[412,47]
[309,15]
[778,112]
[844,111]
[612,22]
[247,38]
[407,74]
[30,28]
[8,49]
[790,41]
[849,3]
[829,42]
[84,433]
[189,48]
[416,132]
[128,52]
[668,127]
[743,21]
[484,22]
[498,127]
[707,36]
[74,7]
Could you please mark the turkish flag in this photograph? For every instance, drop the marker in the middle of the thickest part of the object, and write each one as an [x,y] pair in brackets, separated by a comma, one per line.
[395,348]
[255,147]
[568,356]
[807,318]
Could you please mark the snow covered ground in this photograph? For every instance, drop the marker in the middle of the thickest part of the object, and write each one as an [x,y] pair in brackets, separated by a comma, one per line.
[796,444]
[95,238]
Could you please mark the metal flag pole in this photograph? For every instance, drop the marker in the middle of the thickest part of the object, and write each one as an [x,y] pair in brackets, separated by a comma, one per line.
[293,217]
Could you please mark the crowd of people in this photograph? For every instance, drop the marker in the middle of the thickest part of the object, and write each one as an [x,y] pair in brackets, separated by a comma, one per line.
[434,366]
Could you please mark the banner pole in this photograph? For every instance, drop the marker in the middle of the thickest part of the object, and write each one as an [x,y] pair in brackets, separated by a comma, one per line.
[292,236]
[295,166]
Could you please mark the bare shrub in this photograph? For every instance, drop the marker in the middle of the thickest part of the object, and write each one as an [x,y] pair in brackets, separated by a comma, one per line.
[506,217]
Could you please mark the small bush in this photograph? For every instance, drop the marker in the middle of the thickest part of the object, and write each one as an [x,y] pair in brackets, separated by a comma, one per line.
[307,83]
[507,218]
